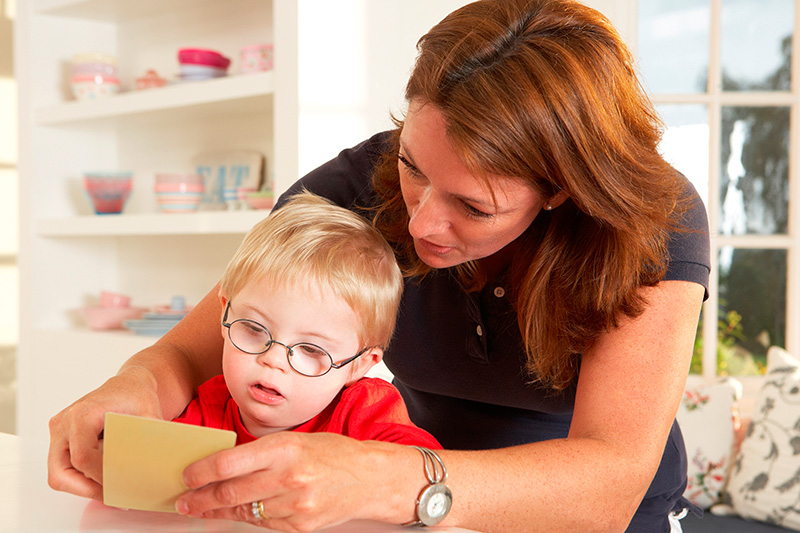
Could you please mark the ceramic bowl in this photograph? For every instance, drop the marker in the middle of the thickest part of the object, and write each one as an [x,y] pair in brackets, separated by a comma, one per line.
[260,200]
[201,71]
[92,69]
[202,56]
[94,57]
[179,202]
[255,58]
[114,299]
[179,193]
[164,177]
[108,192]
[102,318]
[94,87]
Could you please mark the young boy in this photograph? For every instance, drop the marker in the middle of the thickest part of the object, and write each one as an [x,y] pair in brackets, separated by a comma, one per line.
[309,300]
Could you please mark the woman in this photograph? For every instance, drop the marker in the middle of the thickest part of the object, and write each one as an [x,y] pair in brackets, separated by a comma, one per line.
[556,269]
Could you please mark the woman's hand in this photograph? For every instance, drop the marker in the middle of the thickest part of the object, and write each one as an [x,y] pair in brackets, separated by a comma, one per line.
[75,459]
[305,482]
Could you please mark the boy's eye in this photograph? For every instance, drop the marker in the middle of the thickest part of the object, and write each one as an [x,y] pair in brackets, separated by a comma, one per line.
[310,350]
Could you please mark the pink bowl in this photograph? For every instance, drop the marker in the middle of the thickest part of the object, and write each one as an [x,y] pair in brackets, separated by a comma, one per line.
[260,201]
[179,187]
[108,194]
[114,299]
[201,56]
[179,178]
[101,318]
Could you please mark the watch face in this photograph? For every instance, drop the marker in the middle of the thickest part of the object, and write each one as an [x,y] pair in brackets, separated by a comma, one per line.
[434,504]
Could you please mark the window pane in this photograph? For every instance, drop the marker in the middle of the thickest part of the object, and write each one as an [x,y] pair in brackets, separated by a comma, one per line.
[757,45]
[752,308]
[754,185]
[685,143]
[673,45]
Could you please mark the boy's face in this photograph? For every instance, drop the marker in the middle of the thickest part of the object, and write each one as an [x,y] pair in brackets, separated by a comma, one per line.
[270,394]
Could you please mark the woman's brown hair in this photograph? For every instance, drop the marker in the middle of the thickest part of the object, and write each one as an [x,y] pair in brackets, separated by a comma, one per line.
[545,91]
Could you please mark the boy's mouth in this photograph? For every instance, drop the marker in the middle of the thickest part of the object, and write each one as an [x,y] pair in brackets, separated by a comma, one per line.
[266,394]
[268,390]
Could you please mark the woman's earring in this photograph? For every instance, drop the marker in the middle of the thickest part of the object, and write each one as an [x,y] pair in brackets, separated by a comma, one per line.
[548,207]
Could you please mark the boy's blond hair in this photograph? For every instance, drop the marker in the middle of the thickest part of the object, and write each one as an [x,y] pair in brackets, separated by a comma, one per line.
[310,240]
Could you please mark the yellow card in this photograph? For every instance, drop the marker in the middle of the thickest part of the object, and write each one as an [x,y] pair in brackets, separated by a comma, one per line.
[144,459]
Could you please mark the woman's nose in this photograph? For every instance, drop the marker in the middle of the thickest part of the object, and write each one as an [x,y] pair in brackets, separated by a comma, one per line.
[427,217]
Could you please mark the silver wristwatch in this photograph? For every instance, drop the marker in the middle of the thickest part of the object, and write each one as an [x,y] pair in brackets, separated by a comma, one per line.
[435,500]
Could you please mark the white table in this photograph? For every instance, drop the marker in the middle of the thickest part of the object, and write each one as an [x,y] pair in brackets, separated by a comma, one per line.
[29,505]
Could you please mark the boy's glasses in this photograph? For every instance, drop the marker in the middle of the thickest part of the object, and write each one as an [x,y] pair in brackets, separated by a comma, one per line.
[305,358]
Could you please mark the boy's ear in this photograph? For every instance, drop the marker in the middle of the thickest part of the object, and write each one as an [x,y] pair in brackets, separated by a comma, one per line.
[223,301]
[363,364]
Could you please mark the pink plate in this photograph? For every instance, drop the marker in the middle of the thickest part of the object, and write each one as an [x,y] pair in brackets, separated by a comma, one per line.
[200,56]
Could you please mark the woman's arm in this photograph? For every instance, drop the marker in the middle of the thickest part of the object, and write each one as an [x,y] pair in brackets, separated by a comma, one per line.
[157,382]
[628,392]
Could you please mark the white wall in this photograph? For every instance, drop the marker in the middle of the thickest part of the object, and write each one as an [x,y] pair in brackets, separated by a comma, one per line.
[9,278]
[8,182]
[354,60]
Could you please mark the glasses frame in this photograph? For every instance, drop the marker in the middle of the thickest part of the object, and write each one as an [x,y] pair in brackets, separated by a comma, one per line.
[289,348]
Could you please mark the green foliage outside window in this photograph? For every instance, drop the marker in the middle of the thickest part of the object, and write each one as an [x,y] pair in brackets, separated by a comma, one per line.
[732,359]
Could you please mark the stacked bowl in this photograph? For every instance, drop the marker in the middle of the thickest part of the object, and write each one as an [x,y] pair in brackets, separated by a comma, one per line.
[255,58]
[113,311]
[94,76]
[201,64]
[179,193]
[108,191]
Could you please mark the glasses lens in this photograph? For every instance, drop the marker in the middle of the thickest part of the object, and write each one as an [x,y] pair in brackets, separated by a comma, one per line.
[309,359]
[250,337]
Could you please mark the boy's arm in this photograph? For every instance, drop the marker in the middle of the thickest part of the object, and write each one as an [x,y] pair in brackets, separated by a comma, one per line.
[372,409]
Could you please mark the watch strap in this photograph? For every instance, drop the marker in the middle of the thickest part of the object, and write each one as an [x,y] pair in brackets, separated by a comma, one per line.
[436,475]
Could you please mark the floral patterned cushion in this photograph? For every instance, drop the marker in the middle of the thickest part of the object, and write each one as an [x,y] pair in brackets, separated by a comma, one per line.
[706,416]
[765,480]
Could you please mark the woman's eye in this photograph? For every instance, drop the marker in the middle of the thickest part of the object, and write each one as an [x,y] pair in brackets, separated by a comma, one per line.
[409,166]
[476,213]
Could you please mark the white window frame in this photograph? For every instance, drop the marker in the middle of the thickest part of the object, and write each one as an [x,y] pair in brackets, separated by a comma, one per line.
[624,14]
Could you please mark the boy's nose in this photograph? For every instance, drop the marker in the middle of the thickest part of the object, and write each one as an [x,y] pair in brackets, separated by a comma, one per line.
[277,357]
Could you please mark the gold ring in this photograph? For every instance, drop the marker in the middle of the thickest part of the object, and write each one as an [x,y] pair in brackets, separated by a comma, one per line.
[257,509]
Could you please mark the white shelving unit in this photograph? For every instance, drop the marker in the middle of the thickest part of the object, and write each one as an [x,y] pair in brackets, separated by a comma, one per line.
[68,254]
[338,74]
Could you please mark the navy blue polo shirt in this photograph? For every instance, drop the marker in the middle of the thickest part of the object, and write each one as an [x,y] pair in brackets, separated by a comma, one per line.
[459,360]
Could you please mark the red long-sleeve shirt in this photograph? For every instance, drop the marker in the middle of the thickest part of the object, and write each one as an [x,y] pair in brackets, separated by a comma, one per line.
[370,409]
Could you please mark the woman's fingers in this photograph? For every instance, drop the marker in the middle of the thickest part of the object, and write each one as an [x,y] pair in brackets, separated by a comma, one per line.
[61,474]
[305,481]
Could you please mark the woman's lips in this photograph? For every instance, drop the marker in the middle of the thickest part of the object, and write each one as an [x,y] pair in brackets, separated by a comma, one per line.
[265,394]
[434,248]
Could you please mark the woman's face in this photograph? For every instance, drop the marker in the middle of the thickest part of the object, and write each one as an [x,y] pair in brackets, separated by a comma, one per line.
[453,217]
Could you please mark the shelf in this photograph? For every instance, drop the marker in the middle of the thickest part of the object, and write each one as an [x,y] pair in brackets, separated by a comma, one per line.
[112,10]
[177,96]
[200,223]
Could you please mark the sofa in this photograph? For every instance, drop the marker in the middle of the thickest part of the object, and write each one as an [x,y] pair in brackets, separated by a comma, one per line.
[745,474]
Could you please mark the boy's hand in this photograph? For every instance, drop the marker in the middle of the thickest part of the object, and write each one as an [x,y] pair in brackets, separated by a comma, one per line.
[75,459]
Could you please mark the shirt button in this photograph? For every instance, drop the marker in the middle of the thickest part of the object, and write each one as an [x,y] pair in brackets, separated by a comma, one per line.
[499,292]
[479,329]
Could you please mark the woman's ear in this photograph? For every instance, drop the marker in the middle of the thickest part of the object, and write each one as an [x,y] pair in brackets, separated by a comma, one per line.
[556,200]
[363,364]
